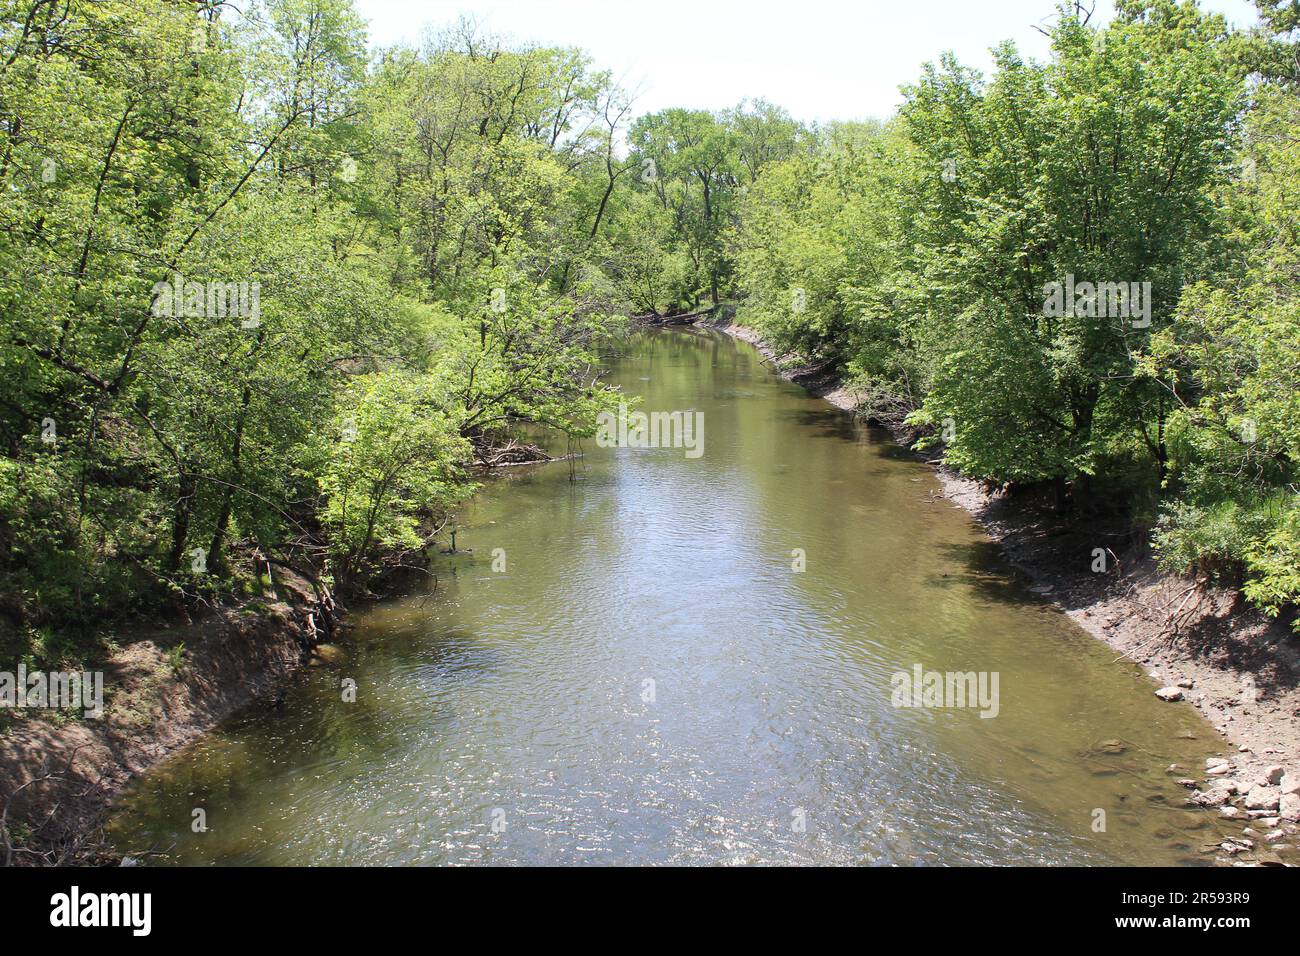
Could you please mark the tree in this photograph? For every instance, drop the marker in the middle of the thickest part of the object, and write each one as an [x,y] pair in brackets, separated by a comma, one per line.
[1231,361]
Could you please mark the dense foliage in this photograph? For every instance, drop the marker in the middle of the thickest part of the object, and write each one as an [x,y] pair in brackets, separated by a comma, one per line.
[1149,168]
[266,298]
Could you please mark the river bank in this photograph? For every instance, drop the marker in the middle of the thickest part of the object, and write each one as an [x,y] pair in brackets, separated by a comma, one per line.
[1198,643]
[163,691]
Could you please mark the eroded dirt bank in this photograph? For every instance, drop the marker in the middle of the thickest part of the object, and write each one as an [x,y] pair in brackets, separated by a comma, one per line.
[58,779]
[1199,644]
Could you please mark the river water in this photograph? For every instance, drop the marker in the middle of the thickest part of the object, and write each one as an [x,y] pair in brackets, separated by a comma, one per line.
[628,669]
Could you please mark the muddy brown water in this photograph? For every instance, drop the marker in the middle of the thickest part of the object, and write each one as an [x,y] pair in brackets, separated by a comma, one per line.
[643,677]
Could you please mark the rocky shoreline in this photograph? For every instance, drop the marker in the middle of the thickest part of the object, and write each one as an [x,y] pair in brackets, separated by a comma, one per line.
[1198,643]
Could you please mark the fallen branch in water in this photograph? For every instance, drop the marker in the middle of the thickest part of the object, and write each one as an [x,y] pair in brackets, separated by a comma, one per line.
[681,319]
[511,453]
[539,461]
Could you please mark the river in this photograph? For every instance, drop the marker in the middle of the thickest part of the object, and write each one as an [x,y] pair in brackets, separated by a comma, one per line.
[628,669]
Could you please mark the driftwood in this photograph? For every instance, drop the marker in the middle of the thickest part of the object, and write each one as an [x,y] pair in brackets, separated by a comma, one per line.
[1174,621]
[535,461]
[686,318]
[514,453]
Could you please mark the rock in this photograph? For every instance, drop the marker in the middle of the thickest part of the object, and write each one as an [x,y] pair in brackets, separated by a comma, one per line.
[1229,812]
[1291,782]
[328,653]
[1262,798]
[1169,694]
[1289,807]
[1212,762]
[1219,769]
[1187,683]
[1268,822]
[1273,775]
[1273,836]
[1189,784]
[1209,798]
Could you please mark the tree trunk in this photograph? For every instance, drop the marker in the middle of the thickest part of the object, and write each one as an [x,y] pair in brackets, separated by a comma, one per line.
[216,559]
[186,489]
[1059,495]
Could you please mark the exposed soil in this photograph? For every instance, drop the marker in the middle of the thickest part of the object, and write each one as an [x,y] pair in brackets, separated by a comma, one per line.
[58,779]
[1238,667]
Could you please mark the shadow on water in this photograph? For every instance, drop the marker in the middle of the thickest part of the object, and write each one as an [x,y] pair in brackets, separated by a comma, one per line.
[981,567]
[826,422]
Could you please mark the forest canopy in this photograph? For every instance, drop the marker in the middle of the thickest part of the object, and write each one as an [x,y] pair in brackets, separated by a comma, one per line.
[1078,274]
[270,294]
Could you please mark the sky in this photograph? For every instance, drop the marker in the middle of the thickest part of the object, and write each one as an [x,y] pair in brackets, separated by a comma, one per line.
[820,59]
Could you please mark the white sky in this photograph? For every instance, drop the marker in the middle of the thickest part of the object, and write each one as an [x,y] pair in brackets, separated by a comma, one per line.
[820,59]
